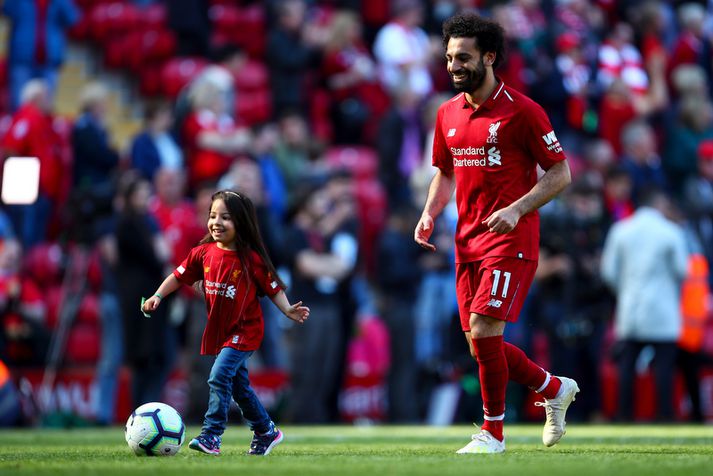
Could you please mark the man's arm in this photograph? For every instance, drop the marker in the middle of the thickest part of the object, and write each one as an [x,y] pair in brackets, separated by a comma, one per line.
[439,194]
[552,182]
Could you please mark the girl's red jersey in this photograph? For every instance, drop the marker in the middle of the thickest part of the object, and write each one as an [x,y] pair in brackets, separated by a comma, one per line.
[231,296]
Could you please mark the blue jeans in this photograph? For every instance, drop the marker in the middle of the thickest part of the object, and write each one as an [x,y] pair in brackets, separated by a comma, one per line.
[229,374]
[110,360]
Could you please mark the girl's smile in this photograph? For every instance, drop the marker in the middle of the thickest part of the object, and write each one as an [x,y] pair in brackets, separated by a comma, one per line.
[221,226]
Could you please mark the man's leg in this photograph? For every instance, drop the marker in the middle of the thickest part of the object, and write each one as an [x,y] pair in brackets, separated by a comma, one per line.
[486,334]
[522,370]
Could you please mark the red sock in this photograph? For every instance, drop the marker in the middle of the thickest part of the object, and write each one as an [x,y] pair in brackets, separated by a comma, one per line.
[493,373]
[525,371]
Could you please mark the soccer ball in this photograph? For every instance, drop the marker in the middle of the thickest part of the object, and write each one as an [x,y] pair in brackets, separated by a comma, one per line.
[155,429]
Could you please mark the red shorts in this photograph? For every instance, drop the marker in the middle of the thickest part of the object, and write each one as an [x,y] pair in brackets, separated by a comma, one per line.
[494,287]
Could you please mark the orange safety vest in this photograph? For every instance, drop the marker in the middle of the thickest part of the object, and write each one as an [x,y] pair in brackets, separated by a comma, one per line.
[4,374]
[695,304]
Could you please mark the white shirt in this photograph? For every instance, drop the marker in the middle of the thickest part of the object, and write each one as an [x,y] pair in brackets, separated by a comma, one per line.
[395,46]
[644,260]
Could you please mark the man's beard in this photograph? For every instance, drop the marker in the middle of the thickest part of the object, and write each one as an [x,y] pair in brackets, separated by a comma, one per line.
[473,81]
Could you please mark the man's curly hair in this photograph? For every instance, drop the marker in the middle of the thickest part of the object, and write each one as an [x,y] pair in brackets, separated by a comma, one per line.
[489,35]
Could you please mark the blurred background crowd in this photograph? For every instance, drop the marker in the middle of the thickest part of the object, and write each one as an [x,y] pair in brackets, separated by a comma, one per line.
[321,111]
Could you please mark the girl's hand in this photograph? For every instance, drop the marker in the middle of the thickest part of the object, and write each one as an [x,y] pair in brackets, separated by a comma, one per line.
[151,304]
[297,312]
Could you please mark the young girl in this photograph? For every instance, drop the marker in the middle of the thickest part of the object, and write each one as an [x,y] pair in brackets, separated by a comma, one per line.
[235,269]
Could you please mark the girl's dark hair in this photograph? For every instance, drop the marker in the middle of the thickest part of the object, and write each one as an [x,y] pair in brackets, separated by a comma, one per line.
[247,232]
[489,35]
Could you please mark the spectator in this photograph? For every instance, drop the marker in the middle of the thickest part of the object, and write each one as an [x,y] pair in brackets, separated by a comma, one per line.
[572,302]
[37,42]
[143,255]
[357,99]
[24,339]
[155,147]
[694,124]
[399,284]
[211,138]
[641,159]
[294,43]
[228,60]
[618,198]
[189,20]
[698,200]
[400,146]
[404,52]
[112,333]
[10,405]
[316,270]
[632,90]
[644,262]
[175,214]
[31,134]
[297,153]
[95,160]
[264,146]
[689,45]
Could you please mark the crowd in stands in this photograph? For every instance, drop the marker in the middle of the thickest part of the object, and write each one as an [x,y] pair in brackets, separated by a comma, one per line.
[321,111]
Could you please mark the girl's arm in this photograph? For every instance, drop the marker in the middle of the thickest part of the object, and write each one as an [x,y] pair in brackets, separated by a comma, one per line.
[297,312]
[169,285]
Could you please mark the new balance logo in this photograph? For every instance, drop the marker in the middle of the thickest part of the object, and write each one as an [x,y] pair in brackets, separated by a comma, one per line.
[496,303]
[235,339]
[451,132]
[494,156]
[230,292]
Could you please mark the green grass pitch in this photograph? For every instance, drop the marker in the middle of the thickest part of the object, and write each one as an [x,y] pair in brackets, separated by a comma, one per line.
[373,451]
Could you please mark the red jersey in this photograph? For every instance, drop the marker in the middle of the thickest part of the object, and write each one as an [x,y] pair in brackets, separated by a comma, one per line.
[180,226]
[32,134]
[231,296]
[204,164]
[493,153]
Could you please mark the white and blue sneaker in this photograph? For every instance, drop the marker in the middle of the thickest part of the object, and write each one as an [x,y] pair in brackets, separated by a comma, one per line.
[261,445]
[205,443]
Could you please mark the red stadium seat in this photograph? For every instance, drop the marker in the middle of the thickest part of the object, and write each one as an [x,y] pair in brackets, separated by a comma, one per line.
[148,46]
[178,72]
[108,20]
[44,264]
[225,18]
[52,297]
[251,31]
[89,309]
[242,26]
[153,16]
[83,344]
[253,75]
[150,80]
[253,107]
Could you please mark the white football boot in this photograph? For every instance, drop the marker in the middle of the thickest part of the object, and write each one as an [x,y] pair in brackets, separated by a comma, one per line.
[483,443]
[556,409]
